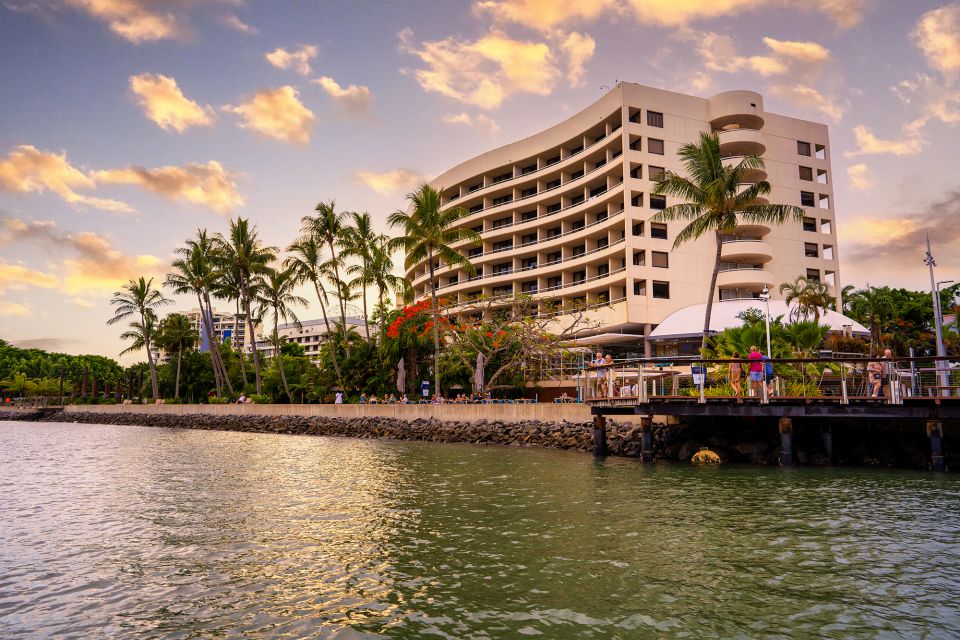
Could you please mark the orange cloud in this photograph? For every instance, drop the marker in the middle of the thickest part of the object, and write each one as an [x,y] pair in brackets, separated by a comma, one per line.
[355,99]
[134,20]
[806,96]
[579,49]
[860,178]
[479,121]
[29,170]
[868,144]
[937,34]
[14,309]
[207,184]
[276,113]
[18,277]
[298,60]
[231,21]
[164,103]
[389,182]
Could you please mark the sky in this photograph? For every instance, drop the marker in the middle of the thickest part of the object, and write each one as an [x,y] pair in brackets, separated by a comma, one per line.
[126,125]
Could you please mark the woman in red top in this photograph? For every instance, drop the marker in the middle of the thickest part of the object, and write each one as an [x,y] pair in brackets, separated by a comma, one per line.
[756,370]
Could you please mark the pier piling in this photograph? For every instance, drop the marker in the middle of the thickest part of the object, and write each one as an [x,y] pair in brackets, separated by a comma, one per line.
[786,441]
[826,433]
[935,433]
[599,436]
[646,439]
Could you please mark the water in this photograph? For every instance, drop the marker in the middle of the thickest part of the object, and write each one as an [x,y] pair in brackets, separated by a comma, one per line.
[128,532]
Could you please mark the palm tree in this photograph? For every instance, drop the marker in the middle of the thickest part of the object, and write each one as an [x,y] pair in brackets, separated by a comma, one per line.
[873,307]
[306,261]
[138,298]
[276,297]
[15,384]
[196,271]
[176,335]
[358,241]
[227,287]
[428,232]
[43,387]
[383,278]
[811,296]
[713,199]
[242,250]
[328,229]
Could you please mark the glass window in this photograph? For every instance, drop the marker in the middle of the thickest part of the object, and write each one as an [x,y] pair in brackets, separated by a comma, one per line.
[530,238]
[655,146]
[639,258]
[658,202]
[813,274]
[810,250]
[638,228]
[637,171]
[655,173]
[639,287]
[579,250]
[806,199]
[803,148]
[806,173]
[658,230]
[528,215]
[660,259]
[661,289]
[554,232]
[654,119]
[602,270]
[809,224]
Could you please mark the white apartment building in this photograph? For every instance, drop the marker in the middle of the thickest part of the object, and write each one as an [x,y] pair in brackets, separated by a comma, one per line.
[223,328]
[564,215]
[310,334]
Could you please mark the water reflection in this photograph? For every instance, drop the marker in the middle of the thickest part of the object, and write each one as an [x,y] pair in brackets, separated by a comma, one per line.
[133,532]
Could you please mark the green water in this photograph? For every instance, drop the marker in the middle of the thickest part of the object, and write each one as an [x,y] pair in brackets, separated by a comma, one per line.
[128,532]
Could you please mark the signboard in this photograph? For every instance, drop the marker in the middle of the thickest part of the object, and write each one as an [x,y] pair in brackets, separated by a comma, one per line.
[425,388]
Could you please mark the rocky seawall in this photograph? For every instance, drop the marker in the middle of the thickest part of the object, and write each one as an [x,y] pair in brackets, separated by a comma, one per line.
[755,443]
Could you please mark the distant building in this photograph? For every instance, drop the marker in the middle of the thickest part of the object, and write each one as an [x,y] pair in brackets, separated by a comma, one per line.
[310,335]
[223,328]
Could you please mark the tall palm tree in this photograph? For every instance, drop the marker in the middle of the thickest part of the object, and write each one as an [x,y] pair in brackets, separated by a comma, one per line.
[358,241]
[15,383]
[242,250]
[227,287]
[44,387]
[138,299]
[713,199]
[276,298]
[383,277]
[873,307]
[306,259]
[196,271]
[809,295]
[176,335]
[328,228]
[428,232]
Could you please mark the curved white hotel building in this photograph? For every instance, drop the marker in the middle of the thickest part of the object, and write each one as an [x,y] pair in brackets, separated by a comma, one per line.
[564,215]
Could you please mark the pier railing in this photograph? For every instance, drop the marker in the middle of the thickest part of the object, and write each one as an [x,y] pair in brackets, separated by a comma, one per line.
[827,378]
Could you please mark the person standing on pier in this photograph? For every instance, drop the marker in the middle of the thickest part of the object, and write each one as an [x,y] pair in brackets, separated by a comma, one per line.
[756,371]
[875,377]
[736,375]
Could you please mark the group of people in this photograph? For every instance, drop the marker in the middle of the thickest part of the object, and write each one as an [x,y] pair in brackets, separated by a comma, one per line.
[373,399]
[605,376]
[759,370]
[878,374]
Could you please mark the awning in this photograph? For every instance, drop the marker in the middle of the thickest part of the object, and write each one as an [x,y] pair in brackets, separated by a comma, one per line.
[688,322]
[604,338]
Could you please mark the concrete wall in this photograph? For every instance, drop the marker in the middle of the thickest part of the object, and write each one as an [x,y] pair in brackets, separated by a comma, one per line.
[448,412]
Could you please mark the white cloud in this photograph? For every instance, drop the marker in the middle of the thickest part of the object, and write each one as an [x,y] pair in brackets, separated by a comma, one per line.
[82,303]
[860,177]
[869,144]
[297,60]
[579,48]
[389,182]
[232,21]
[806,96]
[276,113]
[479,121]
[14,309]
[207,184]
[164,103]
[937,35]
[137,21]
[14,276]
[355,99]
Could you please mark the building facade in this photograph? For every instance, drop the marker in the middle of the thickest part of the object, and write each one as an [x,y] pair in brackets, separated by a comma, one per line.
[310,334]
[564,215]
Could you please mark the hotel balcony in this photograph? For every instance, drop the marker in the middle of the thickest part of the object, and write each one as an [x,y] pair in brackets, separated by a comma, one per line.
[745,278]
[746,250]
[741,142]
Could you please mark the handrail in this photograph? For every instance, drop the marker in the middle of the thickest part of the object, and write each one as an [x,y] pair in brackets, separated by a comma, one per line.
[558,287]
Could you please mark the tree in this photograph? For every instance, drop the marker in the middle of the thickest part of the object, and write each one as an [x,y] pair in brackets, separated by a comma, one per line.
[276,297]
[43,387]
[810,296]
[242,250]
[358,240]
[428,232]
[327,228]
[176,335]
[713,199]
[15,384]
[139,299]
[873,307]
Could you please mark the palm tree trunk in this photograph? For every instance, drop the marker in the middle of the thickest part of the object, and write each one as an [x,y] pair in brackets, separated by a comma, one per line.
[236,328]
[215,347]
[253,339]
[153,368]
[343,307]
[279,358]
[205,327]
[176,386]
[326,322]
[366,317]
[436,329]
[711,292]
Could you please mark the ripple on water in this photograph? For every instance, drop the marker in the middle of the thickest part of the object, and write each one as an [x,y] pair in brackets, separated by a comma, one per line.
[128,532]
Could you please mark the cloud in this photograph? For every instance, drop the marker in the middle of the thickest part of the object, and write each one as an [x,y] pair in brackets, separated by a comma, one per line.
[231,21]
[802,60]
[14,309]
[16,277]
[355,99]
[937,35]
[298,60]
[578,48]
[82,303]
[207,184]
[869,144]
[486,71]
[137,21]
[860,177]
[164,103]
[479,121]
[389,182]
[806,96]
[546,15]
[29,170]
[276,113]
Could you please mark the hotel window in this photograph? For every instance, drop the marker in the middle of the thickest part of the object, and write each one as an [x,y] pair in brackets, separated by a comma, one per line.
[502,200]
[827,252]
[554,283]
[639,258]
[824,201]
[529,286]
[576,150]
[554,232]
[803,148]
[555,257]
[503,291]
[820,152]
[502,268]
[826,226]
[635,116]
[806,173]
[475,252]
[813,274]
[576,174]
[478,228]
[603,270]
[658,230]
[553,208]
[576,225]
[553,184]
[530,238]
[597,191]
[502,177]
[638,228]
[821,176]
[603,243]
[654,119]
[553,160]
[810,250]
[453,280]
[655,173]
[526,216]
[637,200]
[579,277]
[658,202]
[528,263]
[655,146]
[477,207]
[576,200]
[830,278]
[503,245]
[636,145]
[603,297]
[661,290]
[660,259]
[639,287]
[502,222]
[599,163]
[637,171]
[526,193]
[601,216]
[528,169]
[806,199]
[475,187]
[809,224]
[578,250]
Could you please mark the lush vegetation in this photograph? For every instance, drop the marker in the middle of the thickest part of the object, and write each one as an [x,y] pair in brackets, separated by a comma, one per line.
[35,372]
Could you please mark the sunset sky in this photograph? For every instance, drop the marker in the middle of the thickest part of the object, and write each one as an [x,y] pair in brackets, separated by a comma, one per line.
[127,124]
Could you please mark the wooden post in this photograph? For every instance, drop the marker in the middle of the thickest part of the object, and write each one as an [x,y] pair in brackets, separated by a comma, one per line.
[786,441]
[599,436]
[935,433]
[826,433]
[646,439]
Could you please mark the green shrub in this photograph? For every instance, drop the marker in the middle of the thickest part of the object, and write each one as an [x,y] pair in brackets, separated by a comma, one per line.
[261,398]
[215,400]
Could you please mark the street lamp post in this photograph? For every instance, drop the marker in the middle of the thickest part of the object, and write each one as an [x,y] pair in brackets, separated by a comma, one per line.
[941,365]
[765,296]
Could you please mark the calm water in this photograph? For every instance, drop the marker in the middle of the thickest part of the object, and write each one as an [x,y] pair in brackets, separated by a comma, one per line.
[127,532]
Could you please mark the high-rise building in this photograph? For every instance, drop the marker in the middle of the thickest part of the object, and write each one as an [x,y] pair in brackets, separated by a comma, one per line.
[564,214]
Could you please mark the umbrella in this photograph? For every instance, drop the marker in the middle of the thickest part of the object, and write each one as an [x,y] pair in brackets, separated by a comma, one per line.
[478,373]
[401,376]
